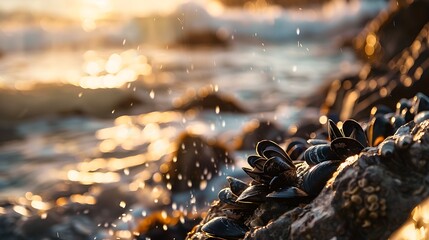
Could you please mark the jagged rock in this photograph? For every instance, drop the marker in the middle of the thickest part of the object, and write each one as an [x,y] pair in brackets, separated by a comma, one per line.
[392,31]
[257,130]
[195,160]
[369,197]
[405,75]
[207,99]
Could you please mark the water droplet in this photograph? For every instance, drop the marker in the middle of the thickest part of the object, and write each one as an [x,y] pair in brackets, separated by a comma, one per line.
[297,31]
[152,94]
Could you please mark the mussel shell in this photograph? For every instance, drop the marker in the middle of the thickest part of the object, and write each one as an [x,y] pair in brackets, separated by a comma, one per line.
[286,178]
[397,121]
[276,165]
[296,151]
[402,104]
[333,131]
[345,147]
[319,153]
[421,117]
[380,110]
[265,145]
[288,193]
[406,128]
[257,175]
[407,114]
[252,159]
[226,196]
[315,179]
[420,103]
[259,163]
[316,141]
[236,185]
[254,194]
[353,129]
[294,141]
[225,228]
[379,128]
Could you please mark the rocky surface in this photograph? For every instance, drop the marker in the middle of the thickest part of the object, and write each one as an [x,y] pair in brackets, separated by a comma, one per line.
[210,100]
[372,194]
[369,196]
[397,67]
[195,160]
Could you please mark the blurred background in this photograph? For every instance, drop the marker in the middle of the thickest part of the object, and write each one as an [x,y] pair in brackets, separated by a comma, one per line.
[102,101]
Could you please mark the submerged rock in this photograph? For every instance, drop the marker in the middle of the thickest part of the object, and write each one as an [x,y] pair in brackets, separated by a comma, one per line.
[205,38]
[195,161]
[207,99]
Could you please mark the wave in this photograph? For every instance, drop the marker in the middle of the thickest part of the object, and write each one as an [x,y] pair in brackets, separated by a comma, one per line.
[267,24]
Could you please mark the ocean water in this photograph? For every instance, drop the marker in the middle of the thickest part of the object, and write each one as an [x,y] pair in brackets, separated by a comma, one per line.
[63,85]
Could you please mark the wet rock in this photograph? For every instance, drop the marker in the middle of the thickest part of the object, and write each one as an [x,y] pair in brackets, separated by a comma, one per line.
[257,130]
[74,228]
[63,100]
[108,203]
[282,3]
[204,38]
[157,226]
[8,132]
[369,196]
[404,76]
[207,99]
[392,31]
[196,160]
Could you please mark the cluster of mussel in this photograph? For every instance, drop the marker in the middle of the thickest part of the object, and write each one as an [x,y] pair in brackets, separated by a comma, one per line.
[296,175]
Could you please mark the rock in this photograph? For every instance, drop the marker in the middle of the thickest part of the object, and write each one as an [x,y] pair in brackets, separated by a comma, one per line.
[64,100]
[209,100]
[392,31]
[203,38]
[196,160]
[257,130]
[369,196]
[157,226]
[405,75]
[282,3]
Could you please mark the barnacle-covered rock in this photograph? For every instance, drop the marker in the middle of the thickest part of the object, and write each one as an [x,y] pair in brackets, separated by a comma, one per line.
[368,198]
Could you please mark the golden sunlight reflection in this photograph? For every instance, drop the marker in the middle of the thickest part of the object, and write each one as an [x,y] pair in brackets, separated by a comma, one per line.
[113,72]
[88,178]
[417,225]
